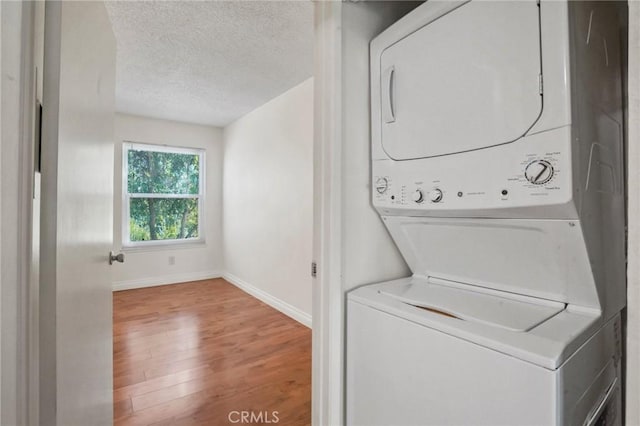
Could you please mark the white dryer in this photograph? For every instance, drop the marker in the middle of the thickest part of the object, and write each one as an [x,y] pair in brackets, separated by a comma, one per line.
[497,168]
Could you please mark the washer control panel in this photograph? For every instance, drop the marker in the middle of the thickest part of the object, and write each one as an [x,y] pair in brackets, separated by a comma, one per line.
[535,180]
[503,177]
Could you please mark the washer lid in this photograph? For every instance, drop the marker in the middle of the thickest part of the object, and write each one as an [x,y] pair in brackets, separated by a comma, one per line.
[468,80]
[470,303]
[549,344]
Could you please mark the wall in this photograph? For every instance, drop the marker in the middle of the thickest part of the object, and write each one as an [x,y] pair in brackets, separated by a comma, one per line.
[352,245]
[151,266]
[369,253]
[268,198]
[632,379]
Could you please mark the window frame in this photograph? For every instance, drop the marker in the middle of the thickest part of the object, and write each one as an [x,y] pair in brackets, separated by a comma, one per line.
[126,196]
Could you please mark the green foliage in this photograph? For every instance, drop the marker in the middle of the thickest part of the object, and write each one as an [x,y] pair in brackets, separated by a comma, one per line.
[153,218]
[137,231]
[163,173]
[176,218]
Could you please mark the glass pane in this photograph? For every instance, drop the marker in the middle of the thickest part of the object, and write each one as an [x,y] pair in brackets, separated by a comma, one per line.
[163,173]
[163,219]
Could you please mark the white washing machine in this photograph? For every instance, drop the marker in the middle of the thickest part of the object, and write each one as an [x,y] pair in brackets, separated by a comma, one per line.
[497,167]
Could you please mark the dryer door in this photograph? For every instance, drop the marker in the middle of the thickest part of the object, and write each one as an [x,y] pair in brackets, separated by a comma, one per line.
[468,80]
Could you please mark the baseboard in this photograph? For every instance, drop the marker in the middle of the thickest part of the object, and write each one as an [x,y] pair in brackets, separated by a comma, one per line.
[274,302]
[165,280]
[282,306]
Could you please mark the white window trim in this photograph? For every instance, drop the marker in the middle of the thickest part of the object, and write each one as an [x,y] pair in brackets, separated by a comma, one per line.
[126,197]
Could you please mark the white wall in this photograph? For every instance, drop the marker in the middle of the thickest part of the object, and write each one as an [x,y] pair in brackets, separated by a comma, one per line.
[268,199]
[353,247]
[151,266]
[369,253]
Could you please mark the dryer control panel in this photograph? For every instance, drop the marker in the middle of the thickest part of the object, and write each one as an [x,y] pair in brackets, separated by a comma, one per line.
[531,172]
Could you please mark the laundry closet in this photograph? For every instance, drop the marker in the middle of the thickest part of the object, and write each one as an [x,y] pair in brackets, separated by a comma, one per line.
[496,158]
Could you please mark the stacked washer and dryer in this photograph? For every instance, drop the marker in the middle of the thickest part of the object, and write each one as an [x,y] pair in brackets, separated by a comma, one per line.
[497,167]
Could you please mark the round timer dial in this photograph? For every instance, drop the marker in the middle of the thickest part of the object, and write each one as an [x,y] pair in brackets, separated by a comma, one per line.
[382,184]
[539,172]
[435,195]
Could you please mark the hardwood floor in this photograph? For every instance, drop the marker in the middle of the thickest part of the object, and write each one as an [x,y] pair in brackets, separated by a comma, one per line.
[197,353]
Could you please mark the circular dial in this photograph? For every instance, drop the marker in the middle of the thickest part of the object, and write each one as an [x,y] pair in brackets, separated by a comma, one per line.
[539,172]
[435,195]
[418,196]
[382,184]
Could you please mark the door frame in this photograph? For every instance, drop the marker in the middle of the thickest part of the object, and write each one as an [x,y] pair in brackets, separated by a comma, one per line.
[327,311]
[18,332]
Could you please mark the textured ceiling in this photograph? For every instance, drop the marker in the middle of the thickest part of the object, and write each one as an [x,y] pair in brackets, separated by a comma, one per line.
[208,62]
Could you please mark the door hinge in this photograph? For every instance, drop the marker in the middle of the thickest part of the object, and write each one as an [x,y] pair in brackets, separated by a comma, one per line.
[540,84]
[314,269]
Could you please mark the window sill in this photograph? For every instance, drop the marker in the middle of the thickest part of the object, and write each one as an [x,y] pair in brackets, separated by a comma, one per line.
[165,246]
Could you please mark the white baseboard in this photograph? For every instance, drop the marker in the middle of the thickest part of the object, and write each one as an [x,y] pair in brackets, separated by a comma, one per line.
[165,280]
[282,306]
[274,302]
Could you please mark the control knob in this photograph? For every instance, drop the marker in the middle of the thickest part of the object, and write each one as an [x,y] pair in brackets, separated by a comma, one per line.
[435,195]
[418,196]
[382,184]
[539,172]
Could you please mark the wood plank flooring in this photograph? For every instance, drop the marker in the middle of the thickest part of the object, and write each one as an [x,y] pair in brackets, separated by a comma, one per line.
[196,353]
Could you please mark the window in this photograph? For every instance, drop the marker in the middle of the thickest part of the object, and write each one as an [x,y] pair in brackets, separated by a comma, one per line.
[162,195]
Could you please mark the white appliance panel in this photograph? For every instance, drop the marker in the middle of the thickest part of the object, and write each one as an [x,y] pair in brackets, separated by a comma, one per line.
[393,364]
[468,80]
[544,259]
[599,147]
[548,344]
[492,182]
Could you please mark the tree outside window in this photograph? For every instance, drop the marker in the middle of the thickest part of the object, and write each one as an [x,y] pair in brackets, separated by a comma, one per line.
[163,194]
